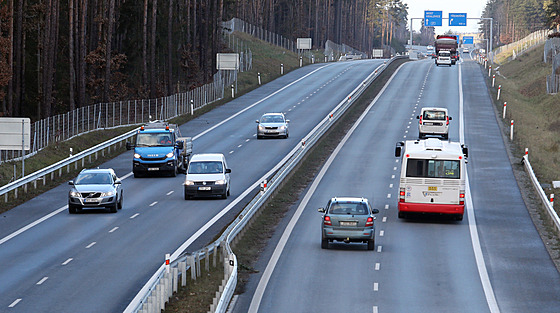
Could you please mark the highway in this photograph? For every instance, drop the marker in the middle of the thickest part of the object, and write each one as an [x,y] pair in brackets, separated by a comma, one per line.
[492,261]
[97,261]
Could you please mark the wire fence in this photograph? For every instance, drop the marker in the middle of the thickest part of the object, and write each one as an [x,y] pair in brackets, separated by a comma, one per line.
[123,113]
[552,56]
[521,46]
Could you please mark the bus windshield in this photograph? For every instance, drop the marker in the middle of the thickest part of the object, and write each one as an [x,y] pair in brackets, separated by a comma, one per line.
[427,168]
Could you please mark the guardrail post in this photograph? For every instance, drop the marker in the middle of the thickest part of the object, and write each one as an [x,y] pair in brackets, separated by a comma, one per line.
[192,264]
[215,256]
[175,278]
[198,269]
[183,271]
[206,259]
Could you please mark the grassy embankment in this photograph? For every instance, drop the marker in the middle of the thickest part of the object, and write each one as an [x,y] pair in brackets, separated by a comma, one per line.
[536,114]
[198,295]
[266,60]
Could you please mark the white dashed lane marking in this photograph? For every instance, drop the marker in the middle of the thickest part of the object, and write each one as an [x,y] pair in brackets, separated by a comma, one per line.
[384,219]
[386,207]
[67,261]
[381,233]
[42,281]
[135,215]
[153,203]
[172,191]
[379,248]
[91,245]
[375,286]
[114,228]
[377,265]
[14,303]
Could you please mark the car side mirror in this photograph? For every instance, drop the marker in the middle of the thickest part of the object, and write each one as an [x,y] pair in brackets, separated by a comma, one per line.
[228,170]
[118,181]
[398,148]
[417,117]
[71,183]
[465,150]
[375,211]
[287,121]
[450,118]
[257,121]
[321,210]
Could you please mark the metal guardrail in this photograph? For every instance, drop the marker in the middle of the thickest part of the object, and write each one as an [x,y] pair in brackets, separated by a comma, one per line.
[155,293]
[43,173]
[538,188]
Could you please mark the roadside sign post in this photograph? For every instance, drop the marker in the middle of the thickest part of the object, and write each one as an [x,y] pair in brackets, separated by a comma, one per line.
[15,134]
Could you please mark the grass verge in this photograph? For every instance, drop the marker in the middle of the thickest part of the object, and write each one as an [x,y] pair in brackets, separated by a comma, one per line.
[257,236]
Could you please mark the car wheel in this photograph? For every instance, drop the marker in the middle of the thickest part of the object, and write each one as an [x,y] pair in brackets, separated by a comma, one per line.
[324,243]
[187,197]
[259,136]
[113,208]
[459,217]
[371,244]
[72,209]
[446,136]
[136,175]
[120,204]
[287,135]
[224,195]
[402,215]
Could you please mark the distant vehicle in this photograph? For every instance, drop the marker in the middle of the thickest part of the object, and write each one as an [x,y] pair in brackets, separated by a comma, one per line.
[447,43]
[159,148]
[95,188]
[465,50]
[444,58]
[432,177]
[272,125]
[430,49]
[207,175]
[348,219]
[433,121]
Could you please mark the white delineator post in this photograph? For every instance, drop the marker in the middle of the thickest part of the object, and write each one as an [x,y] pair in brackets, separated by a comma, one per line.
[552,199]
[499,89]
[232,91]
[282,69]
[259,75]
[300,61]
[167,256]
[511,131]
[493,79]
[192,107]
[505,108]
[489,70]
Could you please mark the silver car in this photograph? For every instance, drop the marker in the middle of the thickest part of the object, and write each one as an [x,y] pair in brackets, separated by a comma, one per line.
[272,125]
[348,219]
[95,188]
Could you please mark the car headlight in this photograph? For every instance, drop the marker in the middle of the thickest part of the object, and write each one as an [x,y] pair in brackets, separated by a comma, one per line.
[136,156]
[189,182]
[74,193]
[282,127]
[220,182]
[107,194]
[169,155]
[261,127]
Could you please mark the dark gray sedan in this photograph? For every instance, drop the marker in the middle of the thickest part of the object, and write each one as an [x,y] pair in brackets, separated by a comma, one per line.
[348,219]
[95,188]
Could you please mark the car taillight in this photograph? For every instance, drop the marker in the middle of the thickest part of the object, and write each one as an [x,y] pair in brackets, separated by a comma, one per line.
[327,221]
[420,120]
[447,118]
[369,221]
[401,195]
[462,197]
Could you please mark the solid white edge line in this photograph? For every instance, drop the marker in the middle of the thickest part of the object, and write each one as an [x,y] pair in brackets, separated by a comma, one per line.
[480,264]
[42,219]
[263,282]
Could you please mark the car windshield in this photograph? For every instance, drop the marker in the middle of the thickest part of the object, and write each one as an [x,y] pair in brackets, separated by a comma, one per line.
[272,119]
[206,167]
[154,140]
[93,179]
[353,208]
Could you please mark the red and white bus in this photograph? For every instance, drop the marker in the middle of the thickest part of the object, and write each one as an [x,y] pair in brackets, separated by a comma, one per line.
[432,177]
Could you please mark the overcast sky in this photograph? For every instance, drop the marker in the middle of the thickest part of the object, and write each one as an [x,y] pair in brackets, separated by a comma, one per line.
[473,8]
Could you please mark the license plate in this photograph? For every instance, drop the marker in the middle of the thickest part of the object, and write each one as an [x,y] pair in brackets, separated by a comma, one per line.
[432,188]
[153,168]
[342,223]
[204,188]
[91,200]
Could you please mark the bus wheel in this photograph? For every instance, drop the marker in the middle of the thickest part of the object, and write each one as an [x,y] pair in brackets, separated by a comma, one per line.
[402,215]
[459,217]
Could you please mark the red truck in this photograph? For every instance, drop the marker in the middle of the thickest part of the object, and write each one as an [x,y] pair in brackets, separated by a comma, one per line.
[447,43]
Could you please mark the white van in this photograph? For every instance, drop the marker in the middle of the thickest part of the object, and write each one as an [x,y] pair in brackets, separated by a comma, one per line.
[207,175]
[433,121]
[444,57]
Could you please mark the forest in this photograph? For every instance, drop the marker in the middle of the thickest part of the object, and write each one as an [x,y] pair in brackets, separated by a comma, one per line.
[515,19]
[56,55]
